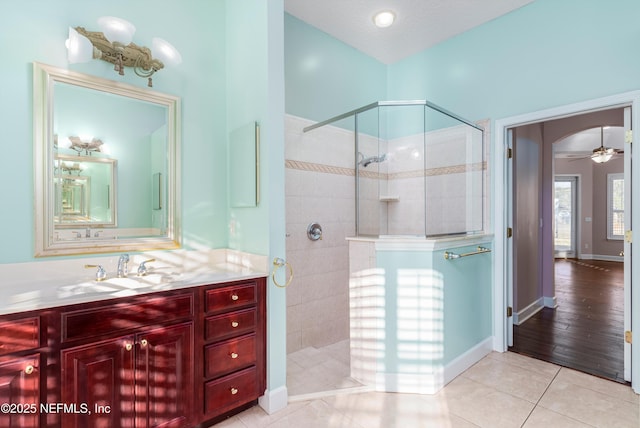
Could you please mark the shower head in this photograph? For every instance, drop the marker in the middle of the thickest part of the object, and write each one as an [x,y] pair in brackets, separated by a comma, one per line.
[365,162]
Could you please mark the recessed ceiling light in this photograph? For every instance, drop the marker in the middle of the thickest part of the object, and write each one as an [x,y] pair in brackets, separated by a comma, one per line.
[384,19]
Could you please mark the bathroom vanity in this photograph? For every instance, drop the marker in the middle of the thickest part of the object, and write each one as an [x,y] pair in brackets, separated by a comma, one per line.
[179,357]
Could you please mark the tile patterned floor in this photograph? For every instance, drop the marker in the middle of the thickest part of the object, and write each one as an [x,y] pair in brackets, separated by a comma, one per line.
[502,390]
[312,370]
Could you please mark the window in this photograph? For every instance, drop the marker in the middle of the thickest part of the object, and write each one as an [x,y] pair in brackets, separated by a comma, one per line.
[615,204]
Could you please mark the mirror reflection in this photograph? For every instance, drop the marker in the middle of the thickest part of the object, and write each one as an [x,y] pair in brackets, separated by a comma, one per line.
[84,192]
[106,159]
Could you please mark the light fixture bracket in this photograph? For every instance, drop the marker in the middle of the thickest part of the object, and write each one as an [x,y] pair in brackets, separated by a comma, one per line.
[137,57]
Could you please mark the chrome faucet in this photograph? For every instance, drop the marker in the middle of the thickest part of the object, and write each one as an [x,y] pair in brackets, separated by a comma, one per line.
[122,265]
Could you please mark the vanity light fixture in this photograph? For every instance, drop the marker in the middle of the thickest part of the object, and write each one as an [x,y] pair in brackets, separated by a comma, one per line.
[384,19]
[88,146]
[71,167]
[114,44]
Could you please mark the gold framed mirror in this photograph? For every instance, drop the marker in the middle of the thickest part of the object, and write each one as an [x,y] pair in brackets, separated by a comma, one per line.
[105,153]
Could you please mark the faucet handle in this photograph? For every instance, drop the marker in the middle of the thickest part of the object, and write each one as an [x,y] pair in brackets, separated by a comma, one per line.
[101,274]
[142,269]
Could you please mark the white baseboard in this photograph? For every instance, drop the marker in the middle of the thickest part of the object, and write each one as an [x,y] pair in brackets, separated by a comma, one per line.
[274,400]
[603,257]
[550,302]
[431,383]
[526,313]
[468,359]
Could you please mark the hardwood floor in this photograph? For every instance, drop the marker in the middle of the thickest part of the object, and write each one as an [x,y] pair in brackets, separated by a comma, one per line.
[586,331]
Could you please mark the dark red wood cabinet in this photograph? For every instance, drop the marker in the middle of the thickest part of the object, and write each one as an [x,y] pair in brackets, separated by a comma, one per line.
[20,371]
[170,359]
[234,346]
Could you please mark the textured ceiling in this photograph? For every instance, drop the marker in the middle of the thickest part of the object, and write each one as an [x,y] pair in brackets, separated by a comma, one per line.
[419,24]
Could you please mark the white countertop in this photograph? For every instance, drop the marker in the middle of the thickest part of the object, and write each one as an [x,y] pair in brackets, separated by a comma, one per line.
[47,284]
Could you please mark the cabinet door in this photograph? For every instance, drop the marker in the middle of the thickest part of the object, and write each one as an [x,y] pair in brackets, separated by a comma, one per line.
[20,390]
[165,377]
[99,376]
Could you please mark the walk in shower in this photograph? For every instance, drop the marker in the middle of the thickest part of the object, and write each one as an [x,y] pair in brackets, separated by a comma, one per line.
[419,292]
[420,170]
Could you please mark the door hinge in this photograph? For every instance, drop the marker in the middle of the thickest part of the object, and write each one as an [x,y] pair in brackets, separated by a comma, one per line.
[509,311]
[628,236]
[509,232]
[628,136]
[509,152]
[628,336]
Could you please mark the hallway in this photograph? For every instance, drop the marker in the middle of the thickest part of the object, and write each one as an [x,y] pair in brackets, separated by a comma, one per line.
[586,331]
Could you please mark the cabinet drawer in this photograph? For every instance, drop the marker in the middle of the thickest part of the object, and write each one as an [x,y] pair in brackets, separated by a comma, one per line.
[236,296]
[19,335]
[231,391]
[120,317]
[232,324]
[230,355]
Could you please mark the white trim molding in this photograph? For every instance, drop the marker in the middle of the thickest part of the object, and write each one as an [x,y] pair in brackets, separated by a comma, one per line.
[431,383]
[274,400]
[503,282]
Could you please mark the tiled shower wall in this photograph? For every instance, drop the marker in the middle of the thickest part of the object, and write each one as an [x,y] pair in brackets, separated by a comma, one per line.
[319,188]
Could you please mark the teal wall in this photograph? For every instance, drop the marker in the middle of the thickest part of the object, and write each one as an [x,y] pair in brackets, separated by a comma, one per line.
[449,297]
[325,77]
[36,30]
[546,54]
[255,76]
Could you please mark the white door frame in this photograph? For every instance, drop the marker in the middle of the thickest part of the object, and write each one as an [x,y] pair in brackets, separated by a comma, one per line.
[500,210]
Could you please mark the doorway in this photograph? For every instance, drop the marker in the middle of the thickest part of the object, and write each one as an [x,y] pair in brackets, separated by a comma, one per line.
[565,215]
[544,254]
[558,298]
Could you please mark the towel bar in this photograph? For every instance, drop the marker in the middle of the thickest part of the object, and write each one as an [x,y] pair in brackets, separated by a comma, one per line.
[480,250]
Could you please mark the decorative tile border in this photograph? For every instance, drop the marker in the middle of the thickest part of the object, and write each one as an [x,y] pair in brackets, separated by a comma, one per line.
[317,167]
[431,172]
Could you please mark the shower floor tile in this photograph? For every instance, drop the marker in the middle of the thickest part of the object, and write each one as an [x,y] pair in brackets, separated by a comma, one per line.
[313,370]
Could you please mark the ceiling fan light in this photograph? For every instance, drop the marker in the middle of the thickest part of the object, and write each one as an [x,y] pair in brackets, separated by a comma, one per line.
[601,156]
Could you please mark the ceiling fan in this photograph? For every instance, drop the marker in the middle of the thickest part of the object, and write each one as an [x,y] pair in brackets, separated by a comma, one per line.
[603,154]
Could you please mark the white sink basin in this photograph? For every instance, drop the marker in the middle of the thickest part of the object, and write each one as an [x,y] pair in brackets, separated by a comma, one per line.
[119,287]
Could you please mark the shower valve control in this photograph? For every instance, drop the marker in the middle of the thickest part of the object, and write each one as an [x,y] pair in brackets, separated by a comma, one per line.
[314,231]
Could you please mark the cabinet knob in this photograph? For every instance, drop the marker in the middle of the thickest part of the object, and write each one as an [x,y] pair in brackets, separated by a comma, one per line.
[233,355]
[234,297]
[234,391]
[128,347]
[29,369]
[144,343]
[235,324]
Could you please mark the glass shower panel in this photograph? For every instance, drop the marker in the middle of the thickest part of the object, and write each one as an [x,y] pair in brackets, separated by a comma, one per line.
[369,145]
[404,196]
[454,174]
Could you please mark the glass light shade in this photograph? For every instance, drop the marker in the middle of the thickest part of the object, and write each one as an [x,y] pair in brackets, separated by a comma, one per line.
[165,52]
[116,29]
[79,48]
[384,19]
[601,157]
